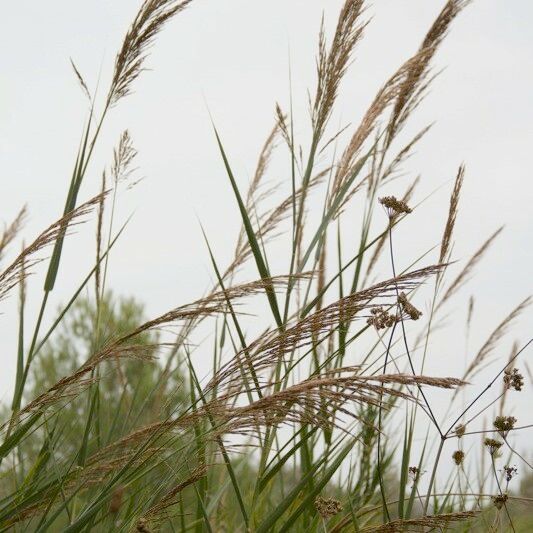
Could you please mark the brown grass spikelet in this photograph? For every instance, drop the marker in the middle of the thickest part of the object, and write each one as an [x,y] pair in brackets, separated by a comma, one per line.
[269,223]
[124,347]
[414,524]
[332,63]
[492,342]
[11,231]
[81,81]
[158,511]
[149,21]
[452,216]
[304,402]
[384,98]
[464,275]
[10,276]
[266,351]
[413,87]
[123,156]
[405,89]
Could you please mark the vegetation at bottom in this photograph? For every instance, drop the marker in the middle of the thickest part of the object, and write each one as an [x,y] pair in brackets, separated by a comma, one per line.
[317,414]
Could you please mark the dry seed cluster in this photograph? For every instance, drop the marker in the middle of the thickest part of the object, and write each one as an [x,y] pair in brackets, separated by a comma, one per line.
[408,308]
[394,206]
[513,379]
[493,445]
[327,507]
[381,319]
[458,457]
[504,424]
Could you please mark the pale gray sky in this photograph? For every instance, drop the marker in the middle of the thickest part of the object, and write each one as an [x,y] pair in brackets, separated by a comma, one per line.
[233,58]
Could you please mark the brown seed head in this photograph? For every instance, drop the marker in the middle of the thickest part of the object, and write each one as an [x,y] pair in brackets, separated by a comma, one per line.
[458,457]
[493,445]
[512,379]
[510,472]
[381,319]
[393,206]
[408,308]
[499,500]
[504,424]
[460,430]
[327,507]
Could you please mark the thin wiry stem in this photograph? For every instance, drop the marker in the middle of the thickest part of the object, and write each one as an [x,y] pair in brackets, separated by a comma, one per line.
[432,416]
[500,491]
[476,399]
[380,472]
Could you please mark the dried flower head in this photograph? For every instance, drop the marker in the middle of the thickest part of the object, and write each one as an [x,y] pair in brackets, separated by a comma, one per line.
[414,473]
[510,472]
[408,308]
[393,206]
[504,424]
[327,507]
[493,445]
[499,500]
[460,430]
[381,319]
[458,457]
[512,379]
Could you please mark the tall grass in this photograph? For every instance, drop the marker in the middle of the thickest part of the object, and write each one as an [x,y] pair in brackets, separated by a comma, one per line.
[315,422]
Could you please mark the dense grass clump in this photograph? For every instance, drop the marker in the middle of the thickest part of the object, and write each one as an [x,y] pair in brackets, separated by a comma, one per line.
[319,416]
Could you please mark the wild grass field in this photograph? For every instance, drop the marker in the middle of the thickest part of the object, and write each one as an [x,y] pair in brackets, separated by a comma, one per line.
[279,400]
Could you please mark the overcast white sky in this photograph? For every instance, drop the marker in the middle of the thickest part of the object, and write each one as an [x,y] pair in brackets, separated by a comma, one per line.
[233,56]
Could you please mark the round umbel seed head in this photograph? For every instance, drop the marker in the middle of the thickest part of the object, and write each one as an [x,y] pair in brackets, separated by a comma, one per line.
[510,472]
[499,500]
[393,206]
[458,457]
[504,424]
[460,430]
[512,379]
[327,507]
[381,319]
[493,445]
